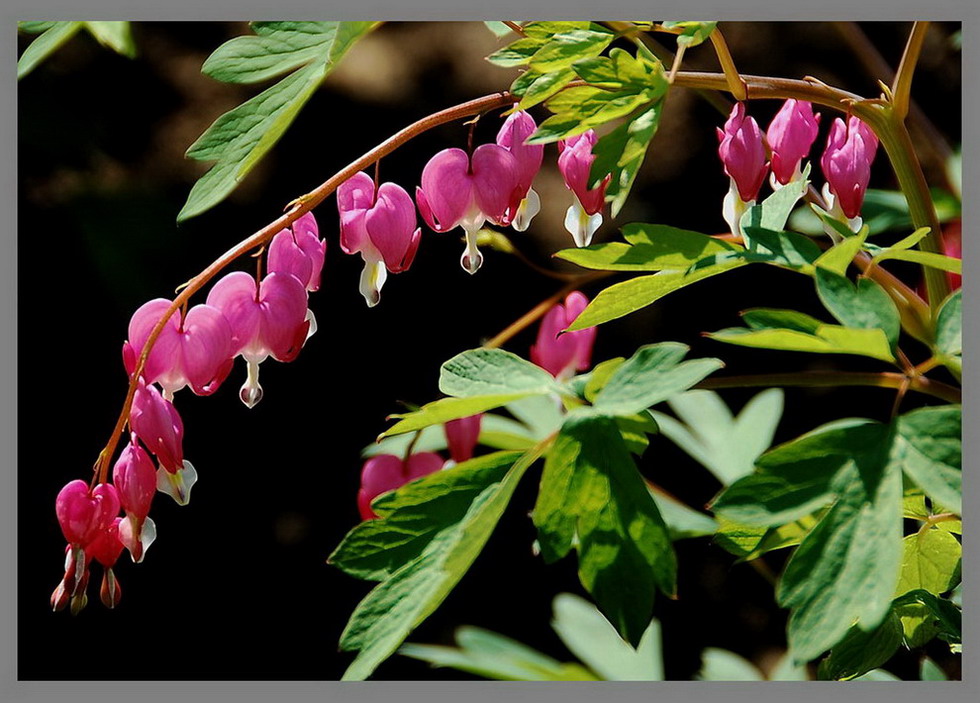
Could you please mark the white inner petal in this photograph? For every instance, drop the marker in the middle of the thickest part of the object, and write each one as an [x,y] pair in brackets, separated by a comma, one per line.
[373,277]
[580,224]
[529,207]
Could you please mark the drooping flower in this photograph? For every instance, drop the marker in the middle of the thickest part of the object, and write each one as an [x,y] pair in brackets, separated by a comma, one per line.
[462,436]
[135,479]
[516,129]
[743,155]
[460,191]
[265,320]
[82,514]
[379,223]
[300,251]
[575,160]
[386,472]
[195,351]
[156,422]
[105,549]
[791,135]
[562,356]
[846,164]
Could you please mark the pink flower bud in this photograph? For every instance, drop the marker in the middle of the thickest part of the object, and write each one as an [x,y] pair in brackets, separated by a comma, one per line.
[270,320]
[846,163]
[562,355]
[743,153]
[299,251]
[575,159]
[386,472]
[790,135]
[156,422]
[106,547]
[462,436]
[380,225]
[516,129]
[459,191]
[135,479]
[195,352]
[83,515]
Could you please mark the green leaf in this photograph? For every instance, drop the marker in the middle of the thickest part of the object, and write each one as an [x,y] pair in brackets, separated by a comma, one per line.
[542,414]
[34,27]
[596,380]
[46,44]
[949,333]
[749,542]
[925,616]
[581,108]
[565,48]
[840,256]
[239,138]
[860,651]
[593,497]
[653,374]
[496,431]
[724,445]
[883,210]
[591,638]
[534,87]
[117,36]
[804,333]
[516,54]
[414,514]
[723,665]
[863,306]
[930,671]
[932,444]
[650,248]
[498,28]
[690,33]
[494,656]
[773,212]
[846,568]
[441,411]
[493,372]
[930,561]
[682,522]
[396,606]
[629,296]
[925,258]
[877,675]
[621,152]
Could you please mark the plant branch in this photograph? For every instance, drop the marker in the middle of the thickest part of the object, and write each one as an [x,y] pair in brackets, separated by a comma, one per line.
[735,84]
[833,379]
[902,86]
[295,210]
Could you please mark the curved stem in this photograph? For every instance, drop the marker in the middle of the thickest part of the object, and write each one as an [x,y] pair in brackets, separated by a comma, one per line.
[831,379]
[296,209]
[902,86]
[735,84]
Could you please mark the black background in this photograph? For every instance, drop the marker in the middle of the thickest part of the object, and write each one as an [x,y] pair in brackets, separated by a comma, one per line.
[236,586]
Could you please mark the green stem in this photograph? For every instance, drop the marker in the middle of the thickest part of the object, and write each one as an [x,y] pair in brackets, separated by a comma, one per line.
[735,84]
[902,86]
[833,379]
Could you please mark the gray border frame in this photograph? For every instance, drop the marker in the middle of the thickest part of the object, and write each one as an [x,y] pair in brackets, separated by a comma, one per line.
[967,11]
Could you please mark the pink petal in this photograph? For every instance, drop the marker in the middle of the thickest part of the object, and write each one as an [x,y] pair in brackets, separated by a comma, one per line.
[496,180]
[447,188]
[235,296]
[158,425]
[391,226]
[287,256]
[165,353]
[135,479]
[422,464]
[207,345]
[354,197]
[515,130]
[462,436]
[283,315]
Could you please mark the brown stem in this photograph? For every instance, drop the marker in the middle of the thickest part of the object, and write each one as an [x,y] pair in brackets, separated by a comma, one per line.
[539,310]
[833,379]
[735,84]
[295,210]
[516,28]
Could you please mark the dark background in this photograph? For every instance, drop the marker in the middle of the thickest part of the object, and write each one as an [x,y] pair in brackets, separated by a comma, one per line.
[236,586]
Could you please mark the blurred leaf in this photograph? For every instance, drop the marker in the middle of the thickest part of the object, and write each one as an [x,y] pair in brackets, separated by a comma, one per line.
[596,379]
[723,665]
[629,296]
[860,652]
[496,432]
[726,446]
[690,33]
[410,594]
[653,374]
[42,47]
[949,333]
[591,638]
[787,670]
[883,211]
[117,36]
[927,616]
[498,28]
[238,139]
[682,522]
[863,306]
[494,656]
[749,542]
[649,248]
[930,671]
[541,413]
[32,27]
[924,258]
[413,515]
[592,497]
[803,333]
[877,675]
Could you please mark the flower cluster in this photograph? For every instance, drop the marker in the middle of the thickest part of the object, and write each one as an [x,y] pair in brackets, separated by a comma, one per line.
[249,316]
[561,356]
[493,183]
[846,161]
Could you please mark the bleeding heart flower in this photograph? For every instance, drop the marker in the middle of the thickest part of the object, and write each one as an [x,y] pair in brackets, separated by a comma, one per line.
[106,549]
[386,472]
[300,251]
[516,129]
[155,421]
[83,514]
[195,351]
[744,157]
[562,355]
[135,479]
[379,223]
[846,164]
[462,436]
[268,320]
[460,191]
[575,160]
[791,135]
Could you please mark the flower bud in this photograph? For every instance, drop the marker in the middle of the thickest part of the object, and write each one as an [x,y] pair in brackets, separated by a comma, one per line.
[386,472]
[575,159]
[462,436]
[743,153]
[562,355]
[790,135]
[846,163]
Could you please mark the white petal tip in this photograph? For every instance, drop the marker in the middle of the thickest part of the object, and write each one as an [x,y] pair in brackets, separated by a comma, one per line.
[177,485]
